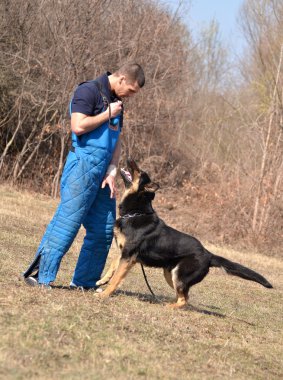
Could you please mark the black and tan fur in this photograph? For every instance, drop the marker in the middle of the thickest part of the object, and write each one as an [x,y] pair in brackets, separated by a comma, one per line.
[143,237]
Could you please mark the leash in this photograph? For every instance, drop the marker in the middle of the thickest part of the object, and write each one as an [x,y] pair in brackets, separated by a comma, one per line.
[126,216]
[147,283]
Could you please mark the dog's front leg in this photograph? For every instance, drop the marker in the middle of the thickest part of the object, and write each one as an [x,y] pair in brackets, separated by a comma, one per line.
[123,268]
[109,274]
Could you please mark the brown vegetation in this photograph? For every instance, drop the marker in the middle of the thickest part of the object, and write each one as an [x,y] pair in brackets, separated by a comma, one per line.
[190,125]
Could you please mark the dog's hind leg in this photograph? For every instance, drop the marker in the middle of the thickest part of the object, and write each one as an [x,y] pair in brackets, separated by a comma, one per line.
[186,274]
[168,277]
[182,299]
[182,290]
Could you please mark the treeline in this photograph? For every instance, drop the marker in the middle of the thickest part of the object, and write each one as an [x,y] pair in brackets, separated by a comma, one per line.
[192,123]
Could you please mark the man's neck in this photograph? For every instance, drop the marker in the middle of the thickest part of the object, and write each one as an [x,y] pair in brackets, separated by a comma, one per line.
[112,82]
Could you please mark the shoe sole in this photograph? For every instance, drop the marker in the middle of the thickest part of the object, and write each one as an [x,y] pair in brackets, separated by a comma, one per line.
[31,281]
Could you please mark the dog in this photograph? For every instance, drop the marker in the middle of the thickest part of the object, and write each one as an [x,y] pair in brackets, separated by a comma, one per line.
[142,237]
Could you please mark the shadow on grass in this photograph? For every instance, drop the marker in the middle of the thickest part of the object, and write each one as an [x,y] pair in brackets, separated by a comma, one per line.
[163,300]
[142,297]
[160,300]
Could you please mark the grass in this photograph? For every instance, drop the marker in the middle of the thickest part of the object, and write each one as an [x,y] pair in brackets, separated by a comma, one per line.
[232,329]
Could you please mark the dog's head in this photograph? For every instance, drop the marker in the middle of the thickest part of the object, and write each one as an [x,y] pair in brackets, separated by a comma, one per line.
[139,189]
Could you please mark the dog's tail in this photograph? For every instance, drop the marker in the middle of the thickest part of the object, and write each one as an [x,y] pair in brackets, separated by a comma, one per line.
[239,270]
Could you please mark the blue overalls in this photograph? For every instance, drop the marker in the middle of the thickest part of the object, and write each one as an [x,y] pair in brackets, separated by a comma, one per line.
[83,201]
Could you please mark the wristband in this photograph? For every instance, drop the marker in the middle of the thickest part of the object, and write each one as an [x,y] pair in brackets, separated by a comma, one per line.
[112,170]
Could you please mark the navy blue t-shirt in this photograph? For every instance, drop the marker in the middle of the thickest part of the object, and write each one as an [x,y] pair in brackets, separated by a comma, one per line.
[88,97]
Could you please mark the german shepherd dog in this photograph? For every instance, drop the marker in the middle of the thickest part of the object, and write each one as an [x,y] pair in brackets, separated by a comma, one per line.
[143,237]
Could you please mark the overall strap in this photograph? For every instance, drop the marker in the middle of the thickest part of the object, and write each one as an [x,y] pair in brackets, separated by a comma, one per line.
[114,121]
[104,97]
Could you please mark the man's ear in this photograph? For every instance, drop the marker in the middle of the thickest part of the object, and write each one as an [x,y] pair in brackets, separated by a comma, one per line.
[121,78]
[151,187]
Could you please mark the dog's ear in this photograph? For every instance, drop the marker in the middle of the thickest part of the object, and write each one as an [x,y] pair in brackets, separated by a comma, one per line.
[151,187]
[149,195]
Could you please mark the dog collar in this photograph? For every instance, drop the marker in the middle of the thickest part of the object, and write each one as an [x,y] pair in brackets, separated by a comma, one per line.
[126,216]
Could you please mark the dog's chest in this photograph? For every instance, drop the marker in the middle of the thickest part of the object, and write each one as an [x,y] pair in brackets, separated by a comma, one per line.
[119,237]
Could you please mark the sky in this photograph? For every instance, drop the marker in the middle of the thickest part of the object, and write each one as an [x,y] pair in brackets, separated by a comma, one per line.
[225,12]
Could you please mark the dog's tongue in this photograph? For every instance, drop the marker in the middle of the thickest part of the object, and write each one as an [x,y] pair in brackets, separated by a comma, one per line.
[127,174]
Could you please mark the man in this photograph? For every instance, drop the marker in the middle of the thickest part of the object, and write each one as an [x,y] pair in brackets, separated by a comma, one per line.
[88,180]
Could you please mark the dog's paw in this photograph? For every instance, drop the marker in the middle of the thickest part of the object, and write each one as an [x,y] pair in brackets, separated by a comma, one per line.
[102,282]
[103,294]
[176,305]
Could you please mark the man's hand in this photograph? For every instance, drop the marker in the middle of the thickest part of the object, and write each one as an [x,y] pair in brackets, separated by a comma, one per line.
[110,181]
[115,108]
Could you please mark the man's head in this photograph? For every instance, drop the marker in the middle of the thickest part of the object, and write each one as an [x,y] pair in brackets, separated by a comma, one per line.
[127,80]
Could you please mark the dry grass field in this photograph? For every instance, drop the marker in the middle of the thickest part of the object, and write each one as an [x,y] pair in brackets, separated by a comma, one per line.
[232,328]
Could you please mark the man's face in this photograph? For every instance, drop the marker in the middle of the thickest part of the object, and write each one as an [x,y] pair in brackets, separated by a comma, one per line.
[125,88]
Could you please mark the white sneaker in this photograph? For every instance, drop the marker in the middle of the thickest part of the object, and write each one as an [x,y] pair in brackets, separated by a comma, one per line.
[73,286]
[32,281]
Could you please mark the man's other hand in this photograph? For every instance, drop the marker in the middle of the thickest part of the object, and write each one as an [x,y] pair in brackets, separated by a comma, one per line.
[110,181]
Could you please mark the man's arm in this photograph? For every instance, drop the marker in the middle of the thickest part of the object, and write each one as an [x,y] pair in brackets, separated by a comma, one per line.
[81,123]
[112,170]
[116,154]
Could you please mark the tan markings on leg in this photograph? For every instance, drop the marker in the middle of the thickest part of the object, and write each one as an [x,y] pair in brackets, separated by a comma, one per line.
[120,238]
[182,298]
[109,274]
[119,275]
[168,277]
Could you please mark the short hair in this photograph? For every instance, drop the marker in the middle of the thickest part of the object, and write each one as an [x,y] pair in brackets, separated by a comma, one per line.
[133,72]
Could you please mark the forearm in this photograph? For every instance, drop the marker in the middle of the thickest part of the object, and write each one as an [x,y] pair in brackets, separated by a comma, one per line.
[112,170]
[81,123]
[116,154]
